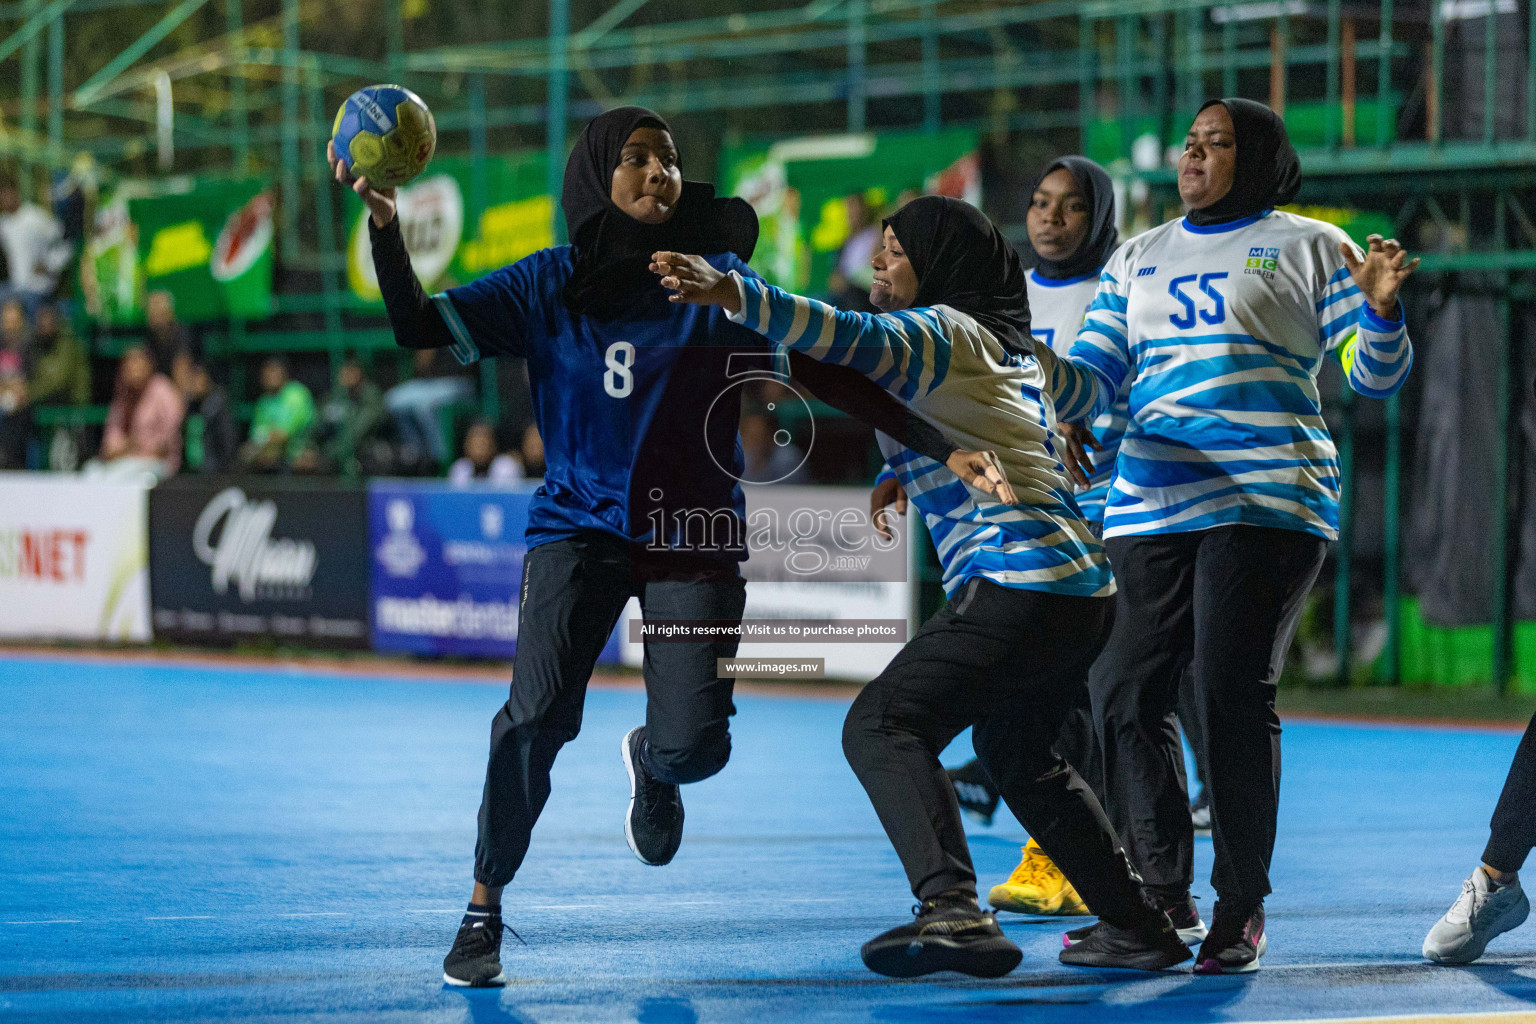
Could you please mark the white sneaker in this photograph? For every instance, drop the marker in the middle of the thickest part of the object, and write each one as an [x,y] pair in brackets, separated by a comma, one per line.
[1479,914]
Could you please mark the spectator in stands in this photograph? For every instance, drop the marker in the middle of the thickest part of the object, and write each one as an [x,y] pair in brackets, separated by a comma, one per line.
[15,406]
[143,434]
[34,245]
[349,418]
[212,439]
[532,450]
[480,461]
[285,416]
[61,371]
[439,381]
[770,455]
[165,334]
[851,279]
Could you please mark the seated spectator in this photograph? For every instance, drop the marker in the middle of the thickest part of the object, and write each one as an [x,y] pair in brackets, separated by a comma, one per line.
[349,418]
[15,405]
[143,435]
[61,371]
[480,461]
[34,246]
[439,381]
[532,451]
[769,453]
[164,334]
[285,416]
[213,442]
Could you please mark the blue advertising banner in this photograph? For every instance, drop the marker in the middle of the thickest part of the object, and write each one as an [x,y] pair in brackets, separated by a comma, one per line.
[446,565]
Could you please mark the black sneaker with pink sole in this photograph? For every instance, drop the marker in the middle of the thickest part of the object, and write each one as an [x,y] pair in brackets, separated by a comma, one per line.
[1236,941]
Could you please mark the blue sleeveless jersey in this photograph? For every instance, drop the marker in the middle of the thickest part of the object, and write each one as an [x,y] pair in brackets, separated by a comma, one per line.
[636,443]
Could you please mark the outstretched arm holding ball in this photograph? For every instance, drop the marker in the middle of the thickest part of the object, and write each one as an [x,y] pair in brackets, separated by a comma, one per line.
[416,321]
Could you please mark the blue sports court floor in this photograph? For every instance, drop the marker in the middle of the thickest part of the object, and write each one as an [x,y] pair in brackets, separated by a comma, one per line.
[181,843]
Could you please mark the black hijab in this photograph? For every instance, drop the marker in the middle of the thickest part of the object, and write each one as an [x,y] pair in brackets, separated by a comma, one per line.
[1102,236]
[963,261]
[1268,173]
[613,250]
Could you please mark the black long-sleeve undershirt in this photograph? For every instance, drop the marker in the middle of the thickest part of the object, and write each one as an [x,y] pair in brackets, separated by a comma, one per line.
[418,323]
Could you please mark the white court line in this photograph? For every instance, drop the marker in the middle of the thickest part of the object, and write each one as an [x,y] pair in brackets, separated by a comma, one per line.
[1471,1017]
[184,917]
[56,921]
[318,913]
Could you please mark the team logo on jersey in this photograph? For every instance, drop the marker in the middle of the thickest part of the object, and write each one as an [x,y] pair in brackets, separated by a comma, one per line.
[1146,271]
[1263,262]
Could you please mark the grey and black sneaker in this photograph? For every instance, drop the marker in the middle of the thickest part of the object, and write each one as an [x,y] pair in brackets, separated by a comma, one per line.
[947,935]
[1236,941]
[974,791]
[475,959]
[1482,911]
[1153,946]
[654,825]
[1181,910]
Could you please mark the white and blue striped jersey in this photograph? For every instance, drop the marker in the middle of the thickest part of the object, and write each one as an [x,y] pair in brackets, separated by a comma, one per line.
[1221,332]
[1056,311]
[946,366]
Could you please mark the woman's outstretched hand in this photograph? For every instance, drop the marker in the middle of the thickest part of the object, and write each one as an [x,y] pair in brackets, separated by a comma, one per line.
[380,201]
[691,279]
[1381,273]
[982,471]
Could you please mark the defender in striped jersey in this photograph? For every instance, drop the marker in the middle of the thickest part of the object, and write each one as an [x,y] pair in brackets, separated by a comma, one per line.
[1026,580]
[1226,489]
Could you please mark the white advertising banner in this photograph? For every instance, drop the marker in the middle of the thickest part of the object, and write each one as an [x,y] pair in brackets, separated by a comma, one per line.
[74,558]
[815,558]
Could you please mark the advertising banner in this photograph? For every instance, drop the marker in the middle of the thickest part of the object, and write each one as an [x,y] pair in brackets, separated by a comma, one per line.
[818,565]
[801,189]
[449,241]
[247,558]
[210,246]
[447,567]
[73,558]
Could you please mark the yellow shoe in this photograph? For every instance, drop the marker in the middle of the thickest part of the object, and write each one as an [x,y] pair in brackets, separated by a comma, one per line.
[1037,886]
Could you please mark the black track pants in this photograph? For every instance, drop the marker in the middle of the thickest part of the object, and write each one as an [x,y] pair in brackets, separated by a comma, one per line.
[1225,602]
[1514,820]
[1009,663]
[573,593]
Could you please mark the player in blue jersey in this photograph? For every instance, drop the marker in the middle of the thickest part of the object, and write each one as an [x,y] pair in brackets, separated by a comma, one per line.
[641,494]
[1226,490]
[1027,584]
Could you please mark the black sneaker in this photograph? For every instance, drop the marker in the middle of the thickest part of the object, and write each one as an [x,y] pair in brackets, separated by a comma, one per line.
[973,789]
[1236,941]
[654,825]
[1180,910]
[946,936]
[475,959]
[1154,946]
[1077,935]
[1200,810]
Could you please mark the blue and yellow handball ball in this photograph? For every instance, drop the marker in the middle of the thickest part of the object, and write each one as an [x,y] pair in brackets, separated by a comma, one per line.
[384,133]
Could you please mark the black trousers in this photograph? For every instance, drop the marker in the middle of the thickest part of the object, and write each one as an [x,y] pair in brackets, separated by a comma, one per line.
[1514,819]
[573,593]
[1225,602]
[1010,664]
